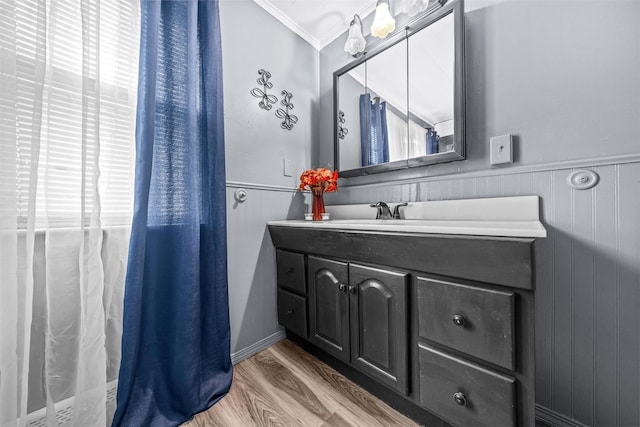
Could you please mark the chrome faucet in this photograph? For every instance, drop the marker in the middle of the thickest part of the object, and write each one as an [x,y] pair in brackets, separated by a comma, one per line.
[383,210]
[396,210]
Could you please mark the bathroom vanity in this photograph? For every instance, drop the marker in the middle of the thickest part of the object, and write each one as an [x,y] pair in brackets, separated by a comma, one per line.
[437,312]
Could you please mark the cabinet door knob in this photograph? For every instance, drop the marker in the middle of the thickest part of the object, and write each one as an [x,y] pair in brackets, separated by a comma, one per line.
[289,312]
[352,289]
[460,398]
[290,270]
[458,320]
[342,286]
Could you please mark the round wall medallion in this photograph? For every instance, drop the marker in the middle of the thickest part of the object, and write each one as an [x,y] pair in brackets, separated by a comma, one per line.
[583,179]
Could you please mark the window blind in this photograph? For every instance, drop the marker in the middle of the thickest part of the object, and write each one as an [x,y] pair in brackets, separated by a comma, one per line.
[70,67]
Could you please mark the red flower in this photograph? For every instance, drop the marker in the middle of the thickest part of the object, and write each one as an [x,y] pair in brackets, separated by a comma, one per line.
[322,177]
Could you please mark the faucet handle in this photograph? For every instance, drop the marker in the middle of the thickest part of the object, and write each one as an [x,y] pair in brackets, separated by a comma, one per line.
[396,210]
[379,205]
[383,210]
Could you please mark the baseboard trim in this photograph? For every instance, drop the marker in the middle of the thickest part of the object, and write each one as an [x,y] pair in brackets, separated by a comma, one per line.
[554,419]
[257,347]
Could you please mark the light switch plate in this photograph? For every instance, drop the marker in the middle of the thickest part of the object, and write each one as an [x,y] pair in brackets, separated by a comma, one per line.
[501,149]
[286,167]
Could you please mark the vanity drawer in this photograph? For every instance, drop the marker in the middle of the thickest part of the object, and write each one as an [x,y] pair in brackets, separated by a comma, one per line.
[464,393]
[292,312]
[291,273]
[476,321]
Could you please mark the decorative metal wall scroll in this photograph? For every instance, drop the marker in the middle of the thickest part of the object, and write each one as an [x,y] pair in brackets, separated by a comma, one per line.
[267,100]
[288,119]
[342,131]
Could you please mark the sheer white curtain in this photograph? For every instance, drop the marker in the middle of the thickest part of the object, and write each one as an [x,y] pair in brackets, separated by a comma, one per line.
[417,140]
[398,138]
[68,76]
[405,144]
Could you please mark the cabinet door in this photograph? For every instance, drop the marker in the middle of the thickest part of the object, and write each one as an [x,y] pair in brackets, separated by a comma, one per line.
[379,324]
[328,306]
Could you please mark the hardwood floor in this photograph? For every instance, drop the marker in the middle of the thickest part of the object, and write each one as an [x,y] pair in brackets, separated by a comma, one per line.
[285,386]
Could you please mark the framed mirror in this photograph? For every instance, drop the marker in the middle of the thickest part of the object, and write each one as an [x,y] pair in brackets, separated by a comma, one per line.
[402,104]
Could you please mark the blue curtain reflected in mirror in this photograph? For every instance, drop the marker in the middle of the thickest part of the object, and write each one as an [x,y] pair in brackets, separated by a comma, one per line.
[374,137]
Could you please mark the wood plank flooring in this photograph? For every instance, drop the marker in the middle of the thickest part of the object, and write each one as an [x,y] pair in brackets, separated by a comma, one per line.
[285,386]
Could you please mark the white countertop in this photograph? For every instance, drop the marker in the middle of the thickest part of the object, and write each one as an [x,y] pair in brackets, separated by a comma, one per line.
[500,217]
[474,228]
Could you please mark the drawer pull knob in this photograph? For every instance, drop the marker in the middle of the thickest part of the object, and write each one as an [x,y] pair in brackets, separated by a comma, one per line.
[342,286]
[290,270]
[460,398]
[352,289]
[458,320]
[289,312]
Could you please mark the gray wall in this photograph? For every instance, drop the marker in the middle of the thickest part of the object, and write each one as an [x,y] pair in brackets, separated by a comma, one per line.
[255,148]
[562,77]
[350,151]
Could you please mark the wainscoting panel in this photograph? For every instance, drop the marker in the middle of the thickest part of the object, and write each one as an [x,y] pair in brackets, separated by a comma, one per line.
[542,185]
[587,280]
[373,193]
[252,263]
[628,292]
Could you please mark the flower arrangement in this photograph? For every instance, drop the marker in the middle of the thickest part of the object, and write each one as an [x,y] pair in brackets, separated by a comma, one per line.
[322,177]
[319,181]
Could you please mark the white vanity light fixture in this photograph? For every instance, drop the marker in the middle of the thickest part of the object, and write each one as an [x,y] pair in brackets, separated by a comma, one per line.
[383,23]
[413,7]
[355,41]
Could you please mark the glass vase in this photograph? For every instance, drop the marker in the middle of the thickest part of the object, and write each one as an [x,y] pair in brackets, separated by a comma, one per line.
[317,207]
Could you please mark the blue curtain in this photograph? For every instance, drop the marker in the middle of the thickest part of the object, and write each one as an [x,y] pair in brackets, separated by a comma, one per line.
[175,345]
[433,141]
[374,137]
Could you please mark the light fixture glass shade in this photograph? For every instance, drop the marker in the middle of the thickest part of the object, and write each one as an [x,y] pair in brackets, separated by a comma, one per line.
[355,41]
[383,23]
[413,7]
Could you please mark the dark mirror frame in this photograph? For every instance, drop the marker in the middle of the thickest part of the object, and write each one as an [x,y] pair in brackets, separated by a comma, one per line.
[457,8]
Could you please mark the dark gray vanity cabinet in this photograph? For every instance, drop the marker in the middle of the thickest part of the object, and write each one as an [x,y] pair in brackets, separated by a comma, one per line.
[292,291]
[442,323]
[358,314]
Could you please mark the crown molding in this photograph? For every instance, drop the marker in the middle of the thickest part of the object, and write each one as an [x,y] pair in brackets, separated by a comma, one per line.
[318,44]
[289,23]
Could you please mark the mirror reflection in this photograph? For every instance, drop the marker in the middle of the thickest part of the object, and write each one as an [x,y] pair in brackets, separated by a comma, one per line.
[376,106]
[398,107]
[431,70]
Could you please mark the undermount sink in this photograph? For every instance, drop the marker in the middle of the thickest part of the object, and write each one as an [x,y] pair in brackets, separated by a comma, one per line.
[503,216]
